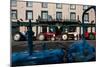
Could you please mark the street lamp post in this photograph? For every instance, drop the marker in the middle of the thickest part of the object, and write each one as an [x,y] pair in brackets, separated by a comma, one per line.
[29,34]
[83,25]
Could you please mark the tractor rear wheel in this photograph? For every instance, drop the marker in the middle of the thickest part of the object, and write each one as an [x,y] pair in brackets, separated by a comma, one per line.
[17,37]
[41,37]
[52,38]
[64,36]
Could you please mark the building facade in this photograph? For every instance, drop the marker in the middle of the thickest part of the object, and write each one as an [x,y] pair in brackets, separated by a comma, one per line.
[25,10]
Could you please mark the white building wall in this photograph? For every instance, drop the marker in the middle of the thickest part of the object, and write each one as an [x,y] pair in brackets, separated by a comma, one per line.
[37,8]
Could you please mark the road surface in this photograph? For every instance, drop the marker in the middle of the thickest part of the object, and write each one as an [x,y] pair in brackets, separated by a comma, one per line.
[38,45]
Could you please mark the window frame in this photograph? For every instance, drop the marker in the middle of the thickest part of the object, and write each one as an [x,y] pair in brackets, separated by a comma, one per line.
[44,3]
[56,15]
[88,17]
[84,7]
[57,6]
[27,3]
[16,14]
[13,5]
[42,15]
[72,8]
[27,14]
[72,13]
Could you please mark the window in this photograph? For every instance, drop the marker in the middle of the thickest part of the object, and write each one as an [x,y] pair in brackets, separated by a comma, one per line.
[72,16]
[85,7]
[58,15]
[44,15]
[14,14]
[86,17]
[58,5]
[72,6]
[44,5]
[14,3]
[29,3]
[29,14]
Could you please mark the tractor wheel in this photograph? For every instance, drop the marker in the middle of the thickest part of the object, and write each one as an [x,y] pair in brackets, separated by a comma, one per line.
[91,36]
[64,37]
[17,37]
[52,38]
[41,37]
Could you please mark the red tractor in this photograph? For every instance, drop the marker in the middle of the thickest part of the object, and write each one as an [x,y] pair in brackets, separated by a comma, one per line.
[57,33]
[46,36]
[90,36]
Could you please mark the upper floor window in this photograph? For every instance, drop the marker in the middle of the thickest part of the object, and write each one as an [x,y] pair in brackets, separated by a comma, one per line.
[58,5]
[29,3]
[13,3]
[29,14]
[44,5]
[72,16]
[58,15]
[72,6]
[14,14]
[44,15]
[85,7]
[86,17]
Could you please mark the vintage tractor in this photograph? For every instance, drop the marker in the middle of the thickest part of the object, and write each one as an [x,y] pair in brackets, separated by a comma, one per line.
[48,35]
[21,36]
[69,33]
[89,35]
